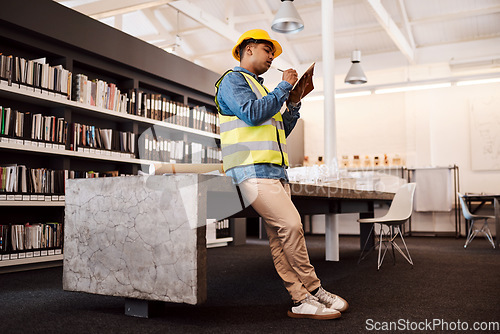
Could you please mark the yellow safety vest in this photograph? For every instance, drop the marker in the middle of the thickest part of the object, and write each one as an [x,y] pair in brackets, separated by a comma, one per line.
[243,144]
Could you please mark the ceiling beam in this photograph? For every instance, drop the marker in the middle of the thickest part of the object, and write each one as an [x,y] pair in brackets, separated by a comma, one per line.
[103,9]
[406,21]
[118,22]
[248,18]
[162,30]
[191,31]
[166,37]
[209,55]
[202,17]
[221,28]
[457,15]
[229,12]
[385,20]
[358,30]
[268,14]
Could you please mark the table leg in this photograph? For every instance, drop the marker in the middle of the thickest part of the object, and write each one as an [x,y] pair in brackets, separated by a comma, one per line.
[137,308]
[331,237]
[497,222]
[238,228]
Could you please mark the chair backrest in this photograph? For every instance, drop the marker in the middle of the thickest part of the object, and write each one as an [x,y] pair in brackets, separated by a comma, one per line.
[465,209]
[402,205]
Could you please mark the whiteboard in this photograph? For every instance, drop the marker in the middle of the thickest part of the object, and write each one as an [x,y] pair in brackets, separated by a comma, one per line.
[485,133]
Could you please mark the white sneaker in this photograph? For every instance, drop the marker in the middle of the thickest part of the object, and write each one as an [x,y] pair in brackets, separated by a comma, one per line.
[311,308]
[331,301]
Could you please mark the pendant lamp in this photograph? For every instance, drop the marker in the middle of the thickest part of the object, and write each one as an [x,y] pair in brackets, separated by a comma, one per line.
[355,76]
[287,19]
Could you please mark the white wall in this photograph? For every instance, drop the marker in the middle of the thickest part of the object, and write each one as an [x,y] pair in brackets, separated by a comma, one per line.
[427,128]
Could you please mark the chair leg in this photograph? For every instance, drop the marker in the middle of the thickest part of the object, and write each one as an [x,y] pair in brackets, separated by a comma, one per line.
[471,234]
[361,256]
[392,246]
[381,241]
[391,236]
[393,242]
[487,232]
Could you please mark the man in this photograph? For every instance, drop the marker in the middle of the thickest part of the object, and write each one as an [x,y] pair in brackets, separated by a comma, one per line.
[253,140]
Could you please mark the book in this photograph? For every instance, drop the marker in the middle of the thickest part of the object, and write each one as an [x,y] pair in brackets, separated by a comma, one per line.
[309,86]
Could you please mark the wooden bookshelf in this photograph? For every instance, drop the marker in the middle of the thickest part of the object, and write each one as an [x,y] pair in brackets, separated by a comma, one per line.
[35,29]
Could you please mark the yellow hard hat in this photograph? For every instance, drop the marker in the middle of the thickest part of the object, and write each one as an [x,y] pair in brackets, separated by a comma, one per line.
[257,34]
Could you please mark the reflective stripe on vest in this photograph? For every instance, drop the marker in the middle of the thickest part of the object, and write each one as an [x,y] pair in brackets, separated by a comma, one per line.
[253,146]
[243,144]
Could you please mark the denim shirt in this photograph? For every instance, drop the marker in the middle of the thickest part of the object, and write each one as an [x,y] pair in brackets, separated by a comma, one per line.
[236,98]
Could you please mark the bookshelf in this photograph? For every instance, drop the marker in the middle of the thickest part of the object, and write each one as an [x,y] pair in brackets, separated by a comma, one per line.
[184,116]
[218,233]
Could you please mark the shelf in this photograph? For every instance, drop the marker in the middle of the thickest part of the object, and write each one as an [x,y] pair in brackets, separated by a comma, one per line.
[220,242]
[15,144]
[49,99]
[30,260]
[32,203]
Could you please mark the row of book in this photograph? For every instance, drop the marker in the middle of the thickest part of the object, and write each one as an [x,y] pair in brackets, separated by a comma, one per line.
[162,149]
[16,178]
[24,237]
[38,74]
[19,179]
[27,125]
[222,229]
[96,92]
[51,129]
[35,73]
[159,107]
[217,229]
[137,102]
[205,154]
[205,120]
[89,136]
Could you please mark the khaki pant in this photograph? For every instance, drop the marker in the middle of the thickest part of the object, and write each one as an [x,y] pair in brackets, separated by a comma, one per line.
[271,199]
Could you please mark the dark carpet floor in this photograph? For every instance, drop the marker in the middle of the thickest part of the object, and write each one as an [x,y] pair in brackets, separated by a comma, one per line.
[449,288]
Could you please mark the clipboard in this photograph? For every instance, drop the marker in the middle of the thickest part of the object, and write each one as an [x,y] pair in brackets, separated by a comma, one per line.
[309,83]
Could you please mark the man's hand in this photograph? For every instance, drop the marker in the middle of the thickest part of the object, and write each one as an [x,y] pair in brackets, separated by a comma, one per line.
[297,93]
[290,76]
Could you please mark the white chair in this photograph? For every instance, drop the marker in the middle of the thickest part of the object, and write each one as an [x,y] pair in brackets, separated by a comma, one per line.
[399,212]
[473,230]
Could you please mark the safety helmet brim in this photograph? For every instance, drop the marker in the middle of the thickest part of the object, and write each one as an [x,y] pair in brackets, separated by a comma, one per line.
[259,35]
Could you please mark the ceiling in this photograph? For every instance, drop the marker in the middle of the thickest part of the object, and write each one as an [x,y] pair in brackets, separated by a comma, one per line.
[401,41]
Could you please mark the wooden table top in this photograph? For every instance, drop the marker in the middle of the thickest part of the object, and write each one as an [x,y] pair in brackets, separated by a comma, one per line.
[335,192]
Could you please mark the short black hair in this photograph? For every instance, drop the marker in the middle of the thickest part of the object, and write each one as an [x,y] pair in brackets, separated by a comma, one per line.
[248,41]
